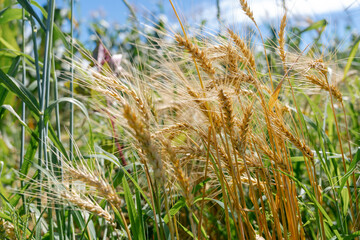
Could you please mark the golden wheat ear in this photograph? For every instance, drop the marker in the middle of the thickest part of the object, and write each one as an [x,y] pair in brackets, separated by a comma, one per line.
[245,7]
[91,179]
[143,136]
[325,86]
[227,109]
[85,203]
[243,48]
[282,39]
[200,55]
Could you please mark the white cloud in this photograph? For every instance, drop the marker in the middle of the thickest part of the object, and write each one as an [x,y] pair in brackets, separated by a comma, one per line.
[267,10]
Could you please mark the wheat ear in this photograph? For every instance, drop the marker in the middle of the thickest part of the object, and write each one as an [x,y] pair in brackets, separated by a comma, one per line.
[245,7]
[243,48]
[143,136]
[227,109]
[179,173]
[285,132]
[85,204]
[216,120]
[103,187]
[200,56]
[172,130]
[282,38]
[244,125]
[323,85]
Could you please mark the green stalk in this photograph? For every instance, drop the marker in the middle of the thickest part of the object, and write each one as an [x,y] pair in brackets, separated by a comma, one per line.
[23,113]
[43,158]
[46,80]
[36,56]
[71,144]
[56,156]
[71,80]
[37,68]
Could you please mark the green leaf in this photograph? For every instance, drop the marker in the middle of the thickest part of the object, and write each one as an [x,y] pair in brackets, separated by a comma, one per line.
[186,230]
[175,209]
[26,5]
[3,91]
[10,46]
[79,219]
[14,66]
[139,206]
[297,159]
[9,14]
[30,152]
[202,228]
[316,25]
[20,90]
[117,179]
[118,217]
[134,218]
[56,141]
[65,99]
[352,168]
[345,198]
[138,187]
[12,111]
[352,236]
[351,56]
[4,216]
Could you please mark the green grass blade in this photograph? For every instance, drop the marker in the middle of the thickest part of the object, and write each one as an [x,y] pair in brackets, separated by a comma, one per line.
[10,14]
[134,217]
[351,56]
[351,169]
[316,25]
[175,209]
[3,91]
[12,111]
[53,105]
[57,142]
[20,90]
[27,6]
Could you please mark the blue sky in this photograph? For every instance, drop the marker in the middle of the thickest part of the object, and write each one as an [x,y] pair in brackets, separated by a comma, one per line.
[264,10]
[116,9]
[337,12]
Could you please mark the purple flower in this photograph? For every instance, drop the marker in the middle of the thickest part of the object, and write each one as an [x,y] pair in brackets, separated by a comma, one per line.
[103,56]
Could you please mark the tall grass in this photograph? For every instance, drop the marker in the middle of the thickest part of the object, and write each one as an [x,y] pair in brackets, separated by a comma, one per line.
[217,140]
